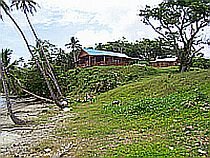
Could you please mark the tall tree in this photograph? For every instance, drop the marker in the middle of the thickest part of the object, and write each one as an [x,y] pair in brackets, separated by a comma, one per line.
[4,61]
[26,6]
[42,69]
[13,72]
[6,9]
[29,6]
[179,23]
[75,48]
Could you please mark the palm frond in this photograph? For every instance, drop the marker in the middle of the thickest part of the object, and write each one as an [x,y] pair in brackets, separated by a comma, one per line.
[26,6]
[3,5]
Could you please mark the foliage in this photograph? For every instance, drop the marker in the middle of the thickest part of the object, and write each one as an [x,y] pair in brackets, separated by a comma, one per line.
[33,81]
[29,76]
[162,106]
[11,69]
[180,24]
[145,49]
[38,52]
[96,80]
[201,62]
[75,49]
[26,6]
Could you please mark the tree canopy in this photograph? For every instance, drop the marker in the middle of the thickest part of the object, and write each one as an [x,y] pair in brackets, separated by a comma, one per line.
[180,23]
[145,49]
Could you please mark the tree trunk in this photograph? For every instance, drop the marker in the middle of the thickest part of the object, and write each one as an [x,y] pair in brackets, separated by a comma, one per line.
[36,96]
[6,91]
[33,30]
[75,58]
[28,47]
[53,78]
[185,60]
[183,68]
[5,87]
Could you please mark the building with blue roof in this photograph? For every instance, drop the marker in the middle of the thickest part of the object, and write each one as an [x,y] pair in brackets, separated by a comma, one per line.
[92,57]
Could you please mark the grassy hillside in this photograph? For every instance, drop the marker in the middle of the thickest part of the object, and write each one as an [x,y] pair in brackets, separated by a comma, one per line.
[95,80]
[159,116]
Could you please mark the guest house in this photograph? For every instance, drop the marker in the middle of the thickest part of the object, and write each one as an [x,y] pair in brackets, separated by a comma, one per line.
[91,57]
[165,62]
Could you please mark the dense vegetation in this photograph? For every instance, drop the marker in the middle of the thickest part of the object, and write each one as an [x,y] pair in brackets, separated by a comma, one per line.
[144,49]
[158,116]
[77,83]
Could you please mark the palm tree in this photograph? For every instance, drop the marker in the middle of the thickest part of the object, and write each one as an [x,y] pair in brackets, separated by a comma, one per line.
[75,47]
[6,60]
[10,70]
[5,83]
[26,6]
[6,9]
[29,6]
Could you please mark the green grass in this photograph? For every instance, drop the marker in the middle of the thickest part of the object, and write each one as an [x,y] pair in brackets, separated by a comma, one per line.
[158,116]
[96,80]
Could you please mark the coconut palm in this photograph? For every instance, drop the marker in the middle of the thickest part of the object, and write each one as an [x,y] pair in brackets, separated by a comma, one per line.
[29,6]
[6,60]
[11,70]
[7,12]
[11,82]
[26,6]
[6,9]
[5,82]
[75,48]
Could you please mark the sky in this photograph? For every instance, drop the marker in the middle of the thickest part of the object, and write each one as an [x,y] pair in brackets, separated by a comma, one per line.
[91,21]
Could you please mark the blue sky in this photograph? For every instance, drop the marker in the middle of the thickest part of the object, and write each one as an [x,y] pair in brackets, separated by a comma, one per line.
[91,21]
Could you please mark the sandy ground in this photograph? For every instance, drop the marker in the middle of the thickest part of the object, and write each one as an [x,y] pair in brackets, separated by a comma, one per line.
[17,140]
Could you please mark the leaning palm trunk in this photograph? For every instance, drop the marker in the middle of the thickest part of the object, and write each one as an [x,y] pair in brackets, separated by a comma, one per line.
[17,81]
[52,76]
[37,63]
[6,92]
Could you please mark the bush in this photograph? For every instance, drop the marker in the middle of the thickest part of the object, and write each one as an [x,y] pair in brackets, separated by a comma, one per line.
[96,80]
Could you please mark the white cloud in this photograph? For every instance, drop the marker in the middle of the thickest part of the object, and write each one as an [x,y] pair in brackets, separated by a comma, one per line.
[93,37]
[119,17]
[91,21]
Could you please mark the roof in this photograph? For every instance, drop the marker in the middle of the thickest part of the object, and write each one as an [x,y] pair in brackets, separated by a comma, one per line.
[136,59]
[168,59]
[94,52]
[171,59]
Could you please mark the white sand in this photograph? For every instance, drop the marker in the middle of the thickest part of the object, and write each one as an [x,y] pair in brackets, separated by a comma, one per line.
[7,138]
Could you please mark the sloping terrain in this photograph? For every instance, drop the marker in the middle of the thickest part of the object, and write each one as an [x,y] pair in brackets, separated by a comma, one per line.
[96,80]
[160,116]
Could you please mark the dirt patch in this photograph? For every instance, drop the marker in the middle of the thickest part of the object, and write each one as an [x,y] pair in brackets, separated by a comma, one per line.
[17,141]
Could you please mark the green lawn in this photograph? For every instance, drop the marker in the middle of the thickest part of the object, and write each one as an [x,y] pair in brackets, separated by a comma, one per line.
[163,115]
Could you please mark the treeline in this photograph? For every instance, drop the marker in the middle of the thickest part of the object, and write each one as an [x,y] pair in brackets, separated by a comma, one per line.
[145,49]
